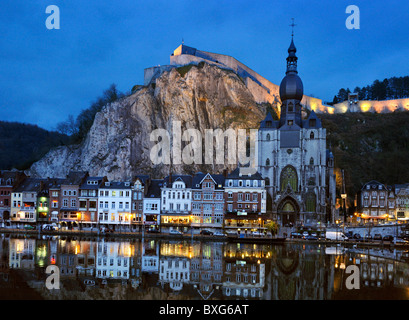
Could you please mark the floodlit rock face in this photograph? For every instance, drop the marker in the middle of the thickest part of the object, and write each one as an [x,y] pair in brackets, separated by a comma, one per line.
[118,144]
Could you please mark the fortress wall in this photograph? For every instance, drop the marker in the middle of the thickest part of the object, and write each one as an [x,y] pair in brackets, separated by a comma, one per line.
[185,59]
[154,72]
[373,106]
[316,105]
[260,94]
[237,65]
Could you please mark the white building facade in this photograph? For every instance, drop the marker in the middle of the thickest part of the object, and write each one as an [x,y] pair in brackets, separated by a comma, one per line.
[114,205]
[176,207]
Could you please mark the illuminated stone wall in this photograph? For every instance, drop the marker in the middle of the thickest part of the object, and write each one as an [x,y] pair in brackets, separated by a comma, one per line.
[383,106]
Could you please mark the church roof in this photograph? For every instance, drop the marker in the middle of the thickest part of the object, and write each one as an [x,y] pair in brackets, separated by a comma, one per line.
[307,124]
[269,122]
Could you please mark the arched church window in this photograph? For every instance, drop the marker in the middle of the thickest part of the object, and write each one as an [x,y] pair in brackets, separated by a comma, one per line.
[289,177]
[312,135]
[268,136]
[310,202]
[267,162]
[288,207]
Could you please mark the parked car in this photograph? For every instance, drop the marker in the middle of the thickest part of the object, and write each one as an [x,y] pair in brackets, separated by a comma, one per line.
[377,237]
[296,235]
[49,227]
[305,234]
[321,236]
[219,234]
[174,231]
[29,227]
[206,232]
[367,237]
[388,238]
[105,230]
[311,237]
[401,241]
[152,230]
[257,233]
[349,234]
[357,237]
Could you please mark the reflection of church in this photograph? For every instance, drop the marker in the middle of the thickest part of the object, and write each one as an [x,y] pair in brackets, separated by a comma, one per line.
[300,274]
[293,159]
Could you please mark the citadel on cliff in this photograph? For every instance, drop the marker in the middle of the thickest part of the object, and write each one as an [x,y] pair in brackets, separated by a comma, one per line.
[265,91]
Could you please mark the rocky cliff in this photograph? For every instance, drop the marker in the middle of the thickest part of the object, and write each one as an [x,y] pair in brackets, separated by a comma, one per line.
[118,145]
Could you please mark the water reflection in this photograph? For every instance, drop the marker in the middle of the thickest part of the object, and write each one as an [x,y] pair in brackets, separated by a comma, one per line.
[158,269]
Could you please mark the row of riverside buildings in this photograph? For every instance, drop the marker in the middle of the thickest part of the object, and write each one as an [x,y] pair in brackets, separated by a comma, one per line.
[182,202]
[189,203]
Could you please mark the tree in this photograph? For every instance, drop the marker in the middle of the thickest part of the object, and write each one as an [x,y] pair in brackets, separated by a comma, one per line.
[342,95]
[273,227]
[67,127]
[78,129]
[379,89]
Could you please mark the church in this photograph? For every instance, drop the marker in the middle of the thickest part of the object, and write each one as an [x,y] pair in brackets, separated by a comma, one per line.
[294,160]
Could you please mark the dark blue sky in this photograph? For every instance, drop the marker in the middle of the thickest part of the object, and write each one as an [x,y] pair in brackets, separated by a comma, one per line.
[48,74]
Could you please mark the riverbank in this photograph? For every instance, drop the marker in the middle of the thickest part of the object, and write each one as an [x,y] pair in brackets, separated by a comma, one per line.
[98,234]
[186,236]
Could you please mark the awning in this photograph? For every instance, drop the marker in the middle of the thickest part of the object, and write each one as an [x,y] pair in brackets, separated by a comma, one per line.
[374,217]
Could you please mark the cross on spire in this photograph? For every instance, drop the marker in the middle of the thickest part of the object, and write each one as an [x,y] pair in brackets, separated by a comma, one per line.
[292,25]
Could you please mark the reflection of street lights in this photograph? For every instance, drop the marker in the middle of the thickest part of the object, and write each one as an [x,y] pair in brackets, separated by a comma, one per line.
[79,218]
[259,226]
[191,227]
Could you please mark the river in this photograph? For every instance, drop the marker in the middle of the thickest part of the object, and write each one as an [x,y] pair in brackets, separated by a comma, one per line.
[153,269]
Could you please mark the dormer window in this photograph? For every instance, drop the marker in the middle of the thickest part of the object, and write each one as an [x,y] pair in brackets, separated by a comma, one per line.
[290,122]
[313,122]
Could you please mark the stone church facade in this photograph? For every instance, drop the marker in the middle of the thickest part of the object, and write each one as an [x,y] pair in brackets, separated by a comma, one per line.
[293,158]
